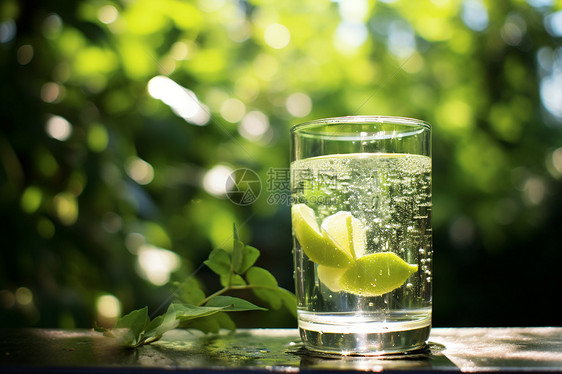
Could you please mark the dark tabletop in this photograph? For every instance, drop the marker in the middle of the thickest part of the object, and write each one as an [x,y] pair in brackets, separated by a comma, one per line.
[275,350]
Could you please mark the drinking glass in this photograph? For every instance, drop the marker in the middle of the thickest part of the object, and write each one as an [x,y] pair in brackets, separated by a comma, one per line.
[361,219]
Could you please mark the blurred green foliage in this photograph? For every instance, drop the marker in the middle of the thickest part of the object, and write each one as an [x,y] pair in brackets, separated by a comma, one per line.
[121,120]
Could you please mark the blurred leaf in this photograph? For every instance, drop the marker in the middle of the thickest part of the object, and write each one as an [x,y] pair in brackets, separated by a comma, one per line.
[189,291]
[208,324]
[237,252]
[266,289]
[228,280]
[232,304]
[219,262]
[130,327]
[251,255]
[162,323]
[185,312]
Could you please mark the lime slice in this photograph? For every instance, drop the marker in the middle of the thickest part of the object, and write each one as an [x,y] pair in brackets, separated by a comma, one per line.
[330,277]
[347,232]
[318,248]
[376,274]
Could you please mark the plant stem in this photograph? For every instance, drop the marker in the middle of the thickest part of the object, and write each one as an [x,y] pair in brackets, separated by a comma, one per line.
[218,293]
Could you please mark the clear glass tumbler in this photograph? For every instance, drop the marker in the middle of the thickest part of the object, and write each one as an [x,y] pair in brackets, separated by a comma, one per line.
[361,218]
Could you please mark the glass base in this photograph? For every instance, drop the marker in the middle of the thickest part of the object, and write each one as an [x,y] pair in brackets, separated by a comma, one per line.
[373,339]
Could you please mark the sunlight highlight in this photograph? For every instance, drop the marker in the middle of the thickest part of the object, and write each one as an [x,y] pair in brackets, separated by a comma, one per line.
[140,171]
[277,36]
[66,208]
[183,102]
[216,180]
[108,306]
[58,128]
[254,126]
[108,14]
[299,104]
[157,264]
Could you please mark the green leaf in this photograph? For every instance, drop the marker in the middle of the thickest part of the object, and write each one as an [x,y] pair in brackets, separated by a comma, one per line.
[232,304]
[251,255]
[266,286]
[211,324]
[289,300]
[225,322]
[189,291]
[237,255]
[232,280]
[186,312]
[219,261]
[243,256]
[163,323]
[207,324]
[129,328]
[257,276]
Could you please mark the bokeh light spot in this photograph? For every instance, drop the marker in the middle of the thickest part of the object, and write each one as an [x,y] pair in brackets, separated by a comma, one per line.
[7,299]
[108,306]
[140,171]
[475,15]
[350,35]
[24,296]
[254,126]
[232,110]
[183,102]
[25,54]
[98,138]
[216,180]
[51,92]
[299,104]
[58,128]
[353,10]
[277,36]
[52,26]
[45,228]
[553,24]
[31,199]
[554,163]
[8,30]
[157,264]
[551,93]
[108,14]
[534,190]
[66,208]
[265,66]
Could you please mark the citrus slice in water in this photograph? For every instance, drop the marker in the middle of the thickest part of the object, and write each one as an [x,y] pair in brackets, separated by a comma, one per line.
[347,232]
[319,248]
[330,277]
[376,274]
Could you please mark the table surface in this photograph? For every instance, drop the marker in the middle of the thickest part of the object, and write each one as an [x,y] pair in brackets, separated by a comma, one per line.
[503,350]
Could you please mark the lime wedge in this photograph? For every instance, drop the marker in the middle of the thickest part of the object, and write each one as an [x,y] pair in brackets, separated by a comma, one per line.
[330,277]
[347,232]
[376,274]
[319,248]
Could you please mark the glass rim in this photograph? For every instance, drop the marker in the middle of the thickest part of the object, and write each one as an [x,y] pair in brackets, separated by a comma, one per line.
[361,120]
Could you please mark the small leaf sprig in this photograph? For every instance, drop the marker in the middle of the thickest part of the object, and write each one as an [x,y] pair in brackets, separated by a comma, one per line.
[195,310]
